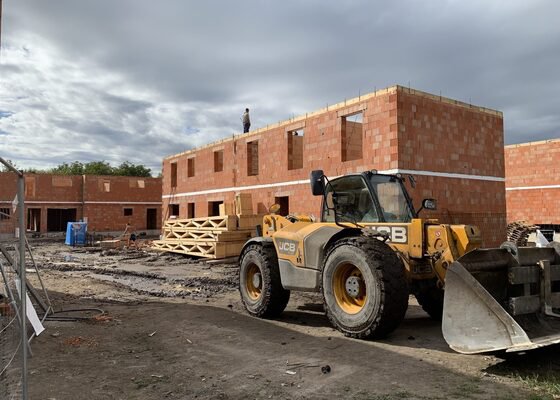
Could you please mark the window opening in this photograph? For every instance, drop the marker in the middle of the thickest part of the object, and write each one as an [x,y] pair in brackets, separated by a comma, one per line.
[214,208]
[352,136]
[190,167]
[174,175]
[218,161]
[253,158]
[295,149]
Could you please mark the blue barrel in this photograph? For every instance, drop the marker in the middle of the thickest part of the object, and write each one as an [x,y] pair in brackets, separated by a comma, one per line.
[76,233]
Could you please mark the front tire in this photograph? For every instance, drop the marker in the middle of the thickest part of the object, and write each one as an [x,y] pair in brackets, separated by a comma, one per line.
[364,287]
[430,298]
[260,285]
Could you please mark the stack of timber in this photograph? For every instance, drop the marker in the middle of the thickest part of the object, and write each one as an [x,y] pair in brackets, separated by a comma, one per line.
[210,237]
[518,232]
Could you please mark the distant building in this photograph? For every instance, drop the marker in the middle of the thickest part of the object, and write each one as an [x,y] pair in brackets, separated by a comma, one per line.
[107,203]
[455,150]
[533,184]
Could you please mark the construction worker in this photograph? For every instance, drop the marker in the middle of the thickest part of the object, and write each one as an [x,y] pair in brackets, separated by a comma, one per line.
[246,121]
[130,235]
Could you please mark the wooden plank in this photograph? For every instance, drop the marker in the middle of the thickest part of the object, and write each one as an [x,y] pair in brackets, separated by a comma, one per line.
[111,244]
[201,249]
[228,249]
[222,223]
[249,221]
[195,235]
[227,209]
[243,204]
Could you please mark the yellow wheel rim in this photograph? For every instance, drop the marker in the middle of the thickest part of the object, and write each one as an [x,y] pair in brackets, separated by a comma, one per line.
[253,279]
[349,288]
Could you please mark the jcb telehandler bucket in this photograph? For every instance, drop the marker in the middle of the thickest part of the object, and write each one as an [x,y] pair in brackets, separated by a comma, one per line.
[498,301]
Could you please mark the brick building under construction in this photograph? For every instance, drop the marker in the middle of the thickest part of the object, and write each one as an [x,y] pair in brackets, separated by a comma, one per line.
[107,203]
[533,184]
[455,150]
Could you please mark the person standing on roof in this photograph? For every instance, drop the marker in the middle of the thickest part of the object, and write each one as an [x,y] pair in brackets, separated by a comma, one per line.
[246,121]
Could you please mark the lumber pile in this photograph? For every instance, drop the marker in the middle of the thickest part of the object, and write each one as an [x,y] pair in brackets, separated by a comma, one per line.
[211,237]
[518,232]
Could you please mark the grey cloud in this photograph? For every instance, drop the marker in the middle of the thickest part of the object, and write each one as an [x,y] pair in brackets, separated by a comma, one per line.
[179,74]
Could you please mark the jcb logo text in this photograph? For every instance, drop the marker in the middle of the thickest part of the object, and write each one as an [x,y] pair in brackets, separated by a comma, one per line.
[286,246]
[397,234]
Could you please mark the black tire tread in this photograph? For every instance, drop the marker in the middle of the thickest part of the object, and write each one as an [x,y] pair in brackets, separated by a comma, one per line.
[275,297]
[394,298]
[431,301]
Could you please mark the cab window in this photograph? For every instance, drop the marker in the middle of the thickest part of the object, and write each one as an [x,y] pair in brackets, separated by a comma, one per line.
[353,201]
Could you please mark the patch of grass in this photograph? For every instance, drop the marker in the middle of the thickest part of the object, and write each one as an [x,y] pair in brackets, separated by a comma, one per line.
[538,371]
[468,389]
[548,384]
[400,395]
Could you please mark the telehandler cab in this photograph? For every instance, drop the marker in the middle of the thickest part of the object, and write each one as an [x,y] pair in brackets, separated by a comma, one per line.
[371,250]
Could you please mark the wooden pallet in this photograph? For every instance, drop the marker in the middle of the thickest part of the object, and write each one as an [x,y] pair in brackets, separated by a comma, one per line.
[219,223]
[197,248]
[210,237]
[217,236]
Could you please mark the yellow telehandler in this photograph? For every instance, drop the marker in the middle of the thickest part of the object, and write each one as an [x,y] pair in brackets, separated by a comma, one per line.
[370,251]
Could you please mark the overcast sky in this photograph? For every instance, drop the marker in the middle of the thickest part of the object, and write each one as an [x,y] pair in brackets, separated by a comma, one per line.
[138,80]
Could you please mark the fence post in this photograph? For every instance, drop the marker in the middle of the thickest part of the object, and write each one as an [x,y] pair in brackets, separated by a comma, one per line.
[22,279]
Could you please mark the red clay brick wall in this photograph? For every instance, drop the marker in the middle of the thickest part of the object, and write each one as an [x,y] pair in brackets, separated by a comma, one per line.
[8,190]
[41,187]
[111,218]
[402,130]
[529,165]
[104,210]
[322,150]
[122,188]
[450,137]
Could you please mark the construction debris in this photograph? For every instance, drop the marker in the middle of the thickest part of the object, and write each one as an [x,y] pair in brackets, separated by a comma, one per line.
[518,232]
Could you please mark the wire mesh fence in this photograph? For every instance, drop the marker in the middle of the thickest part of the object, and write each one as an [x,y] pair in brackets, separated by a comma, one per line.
[10,333]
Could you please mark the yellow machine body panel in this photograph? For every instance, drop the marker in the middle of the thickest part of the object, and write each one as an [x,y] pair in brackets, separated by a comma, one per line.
[425,247]
[494,299]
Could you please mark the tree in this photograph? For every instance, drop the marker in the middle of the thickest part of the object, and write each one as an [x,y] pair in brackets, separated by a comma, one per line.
[101,168]
[90,168]
[98,168]
[6,169]
[76,168]
[129,169]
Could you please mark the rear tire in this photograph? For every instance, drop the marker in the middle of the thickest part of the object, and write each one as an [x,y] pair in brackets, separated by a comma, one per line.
[260,285]
[365,291]
[430,298]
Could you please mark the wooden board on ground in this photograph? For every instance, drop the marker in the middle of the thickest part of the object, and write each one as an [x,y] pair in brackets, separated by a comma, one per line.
[111,244]
[218,236]
[219,223]
[202,249]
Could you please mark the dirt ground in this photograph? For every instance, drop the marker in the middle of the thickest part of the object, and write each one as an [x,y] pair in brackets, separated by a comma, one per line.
[174,328]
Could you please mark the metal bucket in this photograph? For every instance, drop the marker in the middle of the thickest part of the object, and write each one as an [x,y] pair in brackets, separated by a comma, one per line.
[496,300]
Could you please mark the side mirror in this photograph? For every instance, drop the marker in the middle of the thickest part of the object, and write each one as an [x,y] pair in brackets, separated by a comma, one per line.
[429,204]
[317,182]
